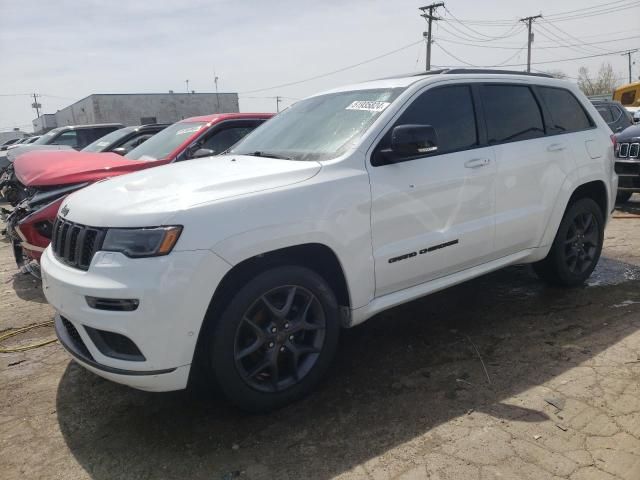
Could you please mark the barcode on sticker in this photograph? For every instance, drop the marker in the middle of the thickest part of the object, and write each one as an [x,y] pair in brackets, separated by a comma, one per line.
[368,106]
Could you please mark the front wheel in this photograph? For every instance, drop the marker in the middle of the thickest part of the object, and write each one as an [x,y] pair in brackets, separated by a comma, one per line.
[276,338]
[576,249]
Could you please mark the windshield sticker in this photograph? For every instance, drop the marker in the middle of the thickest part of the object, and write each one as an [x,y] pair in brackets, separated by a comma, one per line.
[188,130]
[368,106]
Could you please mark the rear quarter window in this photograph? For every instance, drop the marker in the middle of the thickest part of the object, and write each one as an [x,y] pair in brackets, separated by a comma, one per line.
[567,114]
[512,113]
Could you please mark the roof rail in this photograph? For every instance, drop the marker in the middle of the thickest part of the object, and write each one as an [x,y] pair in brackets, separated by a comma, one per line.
[455,71]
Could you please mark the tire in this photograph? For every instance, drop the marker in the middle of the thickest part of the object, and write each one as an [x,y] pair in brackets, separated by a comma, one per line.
[623,197]
[275,339]
[576,249]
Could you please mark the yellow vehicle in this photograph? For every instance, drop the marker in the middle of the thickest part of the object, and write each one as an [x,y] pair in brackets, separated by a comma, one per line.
[628,95]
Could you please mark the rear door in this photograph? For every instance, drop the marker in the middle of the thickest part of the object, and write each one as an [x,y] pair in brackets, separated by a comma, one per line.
[433,215]
[531,167]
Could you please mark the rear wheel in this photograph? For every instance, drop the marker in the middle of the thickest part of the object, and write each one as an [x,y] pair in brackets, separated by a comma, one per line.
[623,197]
[275,339]
[576,249]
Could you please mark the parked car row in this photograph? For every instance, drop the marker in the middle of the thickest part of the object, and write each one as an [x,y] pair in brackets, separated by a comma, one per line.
[39,180]
[242,269]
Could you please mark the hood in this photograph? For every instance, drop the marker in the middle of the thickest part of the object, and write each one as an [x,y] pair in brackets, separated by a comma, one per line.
[13,153]
[152,197]
[46,168]
[629,134]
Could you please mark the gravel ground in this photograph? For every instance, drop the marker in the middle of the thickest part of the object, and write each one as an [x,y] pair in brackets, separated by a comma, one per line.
[408,396]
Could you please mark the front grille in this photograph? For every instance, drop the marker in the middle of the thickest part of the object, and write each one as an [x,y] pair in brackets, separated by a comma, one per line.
[75,244]
[629,150]
[628,169]
[76,338]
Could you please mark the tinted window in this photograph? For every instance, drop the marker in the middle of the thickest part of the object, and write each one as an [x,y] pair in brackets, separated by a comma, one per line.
[223,139]
[102,143]
[449,110]
[567,115]
[605,113]
[512,113]
[628,97]
[69,138]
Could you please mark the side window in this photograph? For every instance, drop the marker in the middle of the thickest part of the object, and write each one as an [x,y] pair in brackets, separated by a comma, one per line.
[69,138]
[628,97]
[512,113]
[605,113]
[135,141]
[615,113]
[567,114]
[449,110]
[223,139]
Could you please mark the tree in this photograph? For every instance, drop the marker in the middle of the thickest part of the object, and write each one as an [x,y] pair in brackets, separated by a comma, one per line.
[603,84]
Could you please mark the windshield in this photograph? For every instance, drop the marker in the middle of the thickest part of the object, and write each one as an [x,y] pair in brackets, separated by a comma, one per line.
[47,137]
[162,144]
[318,128]
[103,142]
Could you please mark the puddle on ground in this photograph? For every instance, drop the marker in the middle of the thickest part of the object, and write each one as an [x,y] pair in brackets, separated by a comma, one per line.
[613,272]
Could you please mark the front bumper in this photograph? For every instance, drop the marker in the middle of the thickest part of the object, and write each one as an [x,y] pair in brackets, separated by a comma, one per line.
[173,294]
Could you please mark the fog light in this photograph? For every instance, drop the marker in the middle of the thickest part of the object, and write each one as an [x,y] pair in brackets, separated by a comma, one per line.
[113,304]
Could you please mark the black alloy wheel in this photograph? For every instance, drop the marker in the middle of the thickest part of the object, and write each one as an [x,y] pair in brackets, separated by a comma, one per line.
[576,248]
[275,337]
[279,338]
[581,243]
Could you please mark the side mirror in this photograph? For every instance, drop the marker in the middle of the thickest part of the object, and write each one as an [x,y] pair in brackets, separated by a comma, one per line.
[203,152]
[120,150]
[413,141]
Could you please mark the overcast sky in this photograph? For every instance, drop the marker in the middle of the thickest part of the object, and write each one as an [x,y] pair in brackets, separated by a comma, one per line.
[67,49]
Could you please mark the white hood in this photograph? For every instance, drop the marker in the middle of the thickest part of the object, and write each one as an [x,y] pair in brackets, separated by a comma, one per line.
[150,197]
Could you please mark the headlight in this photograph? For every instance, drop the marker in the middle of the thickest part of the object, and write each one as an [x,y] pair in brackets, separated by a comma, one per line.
[141,242]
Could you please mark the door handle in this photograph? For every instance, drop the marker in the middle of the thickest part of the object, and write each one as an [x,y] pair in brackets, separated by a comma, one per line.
[555,147]
[477,163]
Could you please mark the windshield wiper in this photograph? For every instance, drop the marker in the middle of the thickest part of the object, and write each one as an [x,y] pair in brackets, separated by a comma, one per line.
[268,155]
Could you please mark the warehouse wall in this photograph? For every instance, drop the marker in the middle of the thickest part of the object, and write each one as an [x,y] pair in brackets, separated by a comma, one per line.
[133,109]
[79,113]
[165,108]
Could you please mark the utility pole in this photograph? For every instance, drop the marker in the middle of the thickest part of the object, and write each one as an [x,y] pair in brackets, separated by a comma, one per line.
[36,104]
[278,104]
[529,22]
[429,17]
[215,80]
[187,82]
[628,54]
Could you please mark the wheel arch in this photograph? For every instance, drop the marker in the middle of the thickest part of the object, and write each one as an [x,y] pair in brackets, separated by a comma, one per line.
[316,256]
[593,188]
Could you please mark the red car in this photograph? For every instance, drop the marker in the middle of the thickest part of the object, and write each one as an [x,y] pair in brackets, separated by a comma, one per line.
[47,177]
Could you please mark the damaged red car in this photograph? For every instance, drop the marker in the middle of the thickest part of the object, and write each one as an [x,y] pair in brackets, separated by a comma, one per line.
[46,180]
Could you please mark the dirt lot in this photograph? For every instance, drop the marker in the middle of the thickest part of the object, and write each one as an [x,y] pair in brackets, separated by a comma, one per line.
[407,398]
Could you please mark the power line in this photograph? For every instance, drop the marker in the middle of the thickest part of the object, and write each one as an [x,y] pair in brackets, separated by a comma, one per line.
[508,33]
[297,82]
[532,63]
[585,12]
[499,47]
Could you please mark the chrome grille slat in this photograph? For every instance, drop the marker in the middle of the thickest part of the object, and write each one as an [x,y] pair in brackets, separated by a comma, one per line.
[74,244]
[629,150]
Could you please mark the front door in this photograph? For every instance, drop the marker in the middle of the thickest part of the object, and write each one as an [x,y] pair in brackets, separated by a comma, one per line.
[433,216]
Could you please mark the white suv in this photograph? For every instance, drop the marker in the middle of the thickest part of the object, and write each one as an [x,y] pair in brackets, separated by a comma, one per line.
[346,204]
